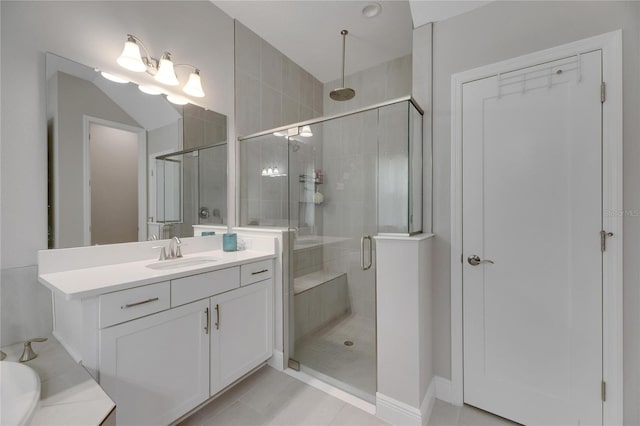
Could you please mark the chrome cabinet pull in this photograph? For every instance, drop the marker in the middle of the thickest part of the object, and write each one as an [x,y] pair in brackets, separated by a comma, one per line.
[217,317]
[475,260]
[131,305]
[362,240]
[207,324]
[260,272]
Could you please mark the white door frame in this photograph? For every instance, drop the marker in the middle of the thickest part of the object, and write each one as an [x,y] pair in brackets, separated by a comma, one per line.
[611,46]
[87,120]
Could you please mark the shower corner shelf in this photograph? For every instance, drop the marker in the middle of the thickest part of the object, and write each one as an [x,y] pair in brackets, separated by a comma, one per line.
[309,179]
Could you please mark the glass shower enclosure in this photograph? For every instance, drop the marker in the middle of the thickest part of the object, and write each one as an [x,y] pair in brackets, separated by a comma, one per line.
[337,182]
[191,189]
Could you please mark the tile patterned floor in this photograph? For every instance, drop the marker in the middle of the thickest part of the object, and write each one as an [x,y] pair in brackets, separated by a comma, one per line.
[444,414]
[270,397]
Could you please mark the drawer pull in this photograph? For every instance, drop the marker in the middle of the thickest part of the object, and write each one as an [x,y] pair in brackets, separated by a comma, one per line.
[131,305]
[208,323]
[217,317]
[260,272]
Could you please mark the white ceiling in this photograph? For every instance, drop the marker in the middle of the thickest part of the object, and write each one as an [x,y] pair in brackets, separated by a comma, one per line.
[425,11]
[308,31]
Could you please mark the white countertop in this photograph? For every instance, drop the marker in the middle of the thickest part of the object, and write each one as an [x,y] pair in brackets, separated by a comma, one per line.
[89,282]
[69,395]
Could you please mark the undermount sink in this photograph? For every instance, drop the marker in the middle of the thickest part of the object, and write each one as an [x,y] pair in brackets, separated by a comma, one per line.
[180,263]
[19,393]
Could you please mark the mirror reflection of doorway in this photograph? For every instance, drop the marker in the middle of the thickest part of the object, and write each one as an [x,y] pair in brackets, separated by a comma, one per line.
[116,172]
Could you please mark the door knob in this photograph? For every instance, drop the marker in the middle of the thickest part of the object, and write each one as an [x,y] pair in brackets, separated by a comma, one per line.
[475,260]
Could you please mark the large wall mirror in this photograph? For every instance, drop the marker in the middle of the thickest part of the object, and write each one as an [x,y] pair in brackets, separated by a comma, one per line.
[125,165]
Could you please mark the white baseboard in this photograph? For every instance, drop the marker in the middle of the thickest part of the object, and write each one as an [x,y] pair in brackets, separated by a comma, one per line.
[277,361]
[399,413]
[396,412]
[428,402]
[444,390]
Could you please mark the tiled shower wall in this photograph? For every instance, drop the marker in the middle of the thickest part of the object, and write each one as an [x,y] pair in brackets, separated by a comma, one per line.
[349,154]
[271,91]
[389,80]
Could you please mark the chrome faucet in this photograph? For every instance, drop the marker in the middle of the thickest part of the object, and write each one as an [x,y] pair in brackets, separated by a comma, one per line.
[174,248]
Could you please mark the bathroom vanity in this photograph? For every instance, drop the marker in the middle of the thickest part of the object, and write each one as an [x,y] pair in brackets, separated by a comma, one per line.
[162,337]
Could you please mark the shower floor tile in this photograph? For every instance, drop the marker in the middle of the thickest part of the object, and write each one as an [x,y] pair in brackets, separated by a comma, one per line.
[325,352]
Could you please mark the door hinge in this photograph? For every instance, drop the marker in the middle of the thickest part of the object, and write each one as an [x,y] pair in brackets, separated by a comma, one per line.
[603,239]
[603,92]
[604,391]
[293,364]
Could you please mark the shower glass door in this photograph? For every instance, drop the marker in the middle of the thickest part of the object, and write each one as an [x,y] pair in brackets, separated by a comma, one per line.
[338,182]
[333,190]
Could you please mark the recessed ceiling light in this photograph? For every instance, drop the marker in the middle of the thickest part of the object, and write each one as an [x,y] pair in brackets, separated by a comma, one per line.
[371,10]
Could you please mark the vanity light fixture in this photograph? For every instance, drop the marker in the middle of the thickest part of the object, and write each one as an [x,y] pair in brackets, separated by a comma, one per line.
[163,69]
[166,74]
[131,58]
[194,85]
[272,171]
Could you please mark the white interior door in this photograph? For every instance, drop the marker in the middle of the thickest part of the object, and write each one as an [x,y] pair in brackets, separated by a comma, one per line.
[532,204]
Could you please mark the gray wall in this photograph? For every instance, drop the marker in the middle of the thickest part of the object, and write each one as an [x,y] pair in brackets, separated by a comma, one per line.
[91,33]
[503,30]
[382,82]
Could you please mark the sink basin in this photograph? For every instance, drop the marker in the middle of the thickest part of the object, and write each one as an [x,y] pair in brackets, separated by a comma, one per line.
[180,263]
[19,393]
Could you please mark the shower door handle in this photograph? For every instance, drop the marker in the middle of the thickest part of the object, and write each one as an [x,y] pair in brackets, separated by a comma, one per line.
[362,240]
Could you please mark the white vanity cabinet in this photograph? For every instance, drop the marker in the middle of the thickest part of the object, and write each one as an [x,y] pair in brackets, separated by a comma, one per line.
[156,368]
[167,347]
[241,332]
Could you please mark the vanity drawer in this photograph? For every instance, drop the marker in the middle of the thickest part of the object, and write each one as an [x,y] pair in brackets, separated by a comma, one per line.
[126,305]
[195,287]
[257,271]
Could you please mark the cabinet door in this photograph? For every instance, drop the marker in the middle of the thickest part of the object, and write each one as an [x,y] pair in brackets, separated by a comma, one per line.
[156,368]
[241,332]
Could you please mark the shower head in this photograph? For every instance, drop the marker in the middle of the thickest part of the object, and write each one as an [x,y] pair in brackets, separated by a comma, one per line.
[342,93]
